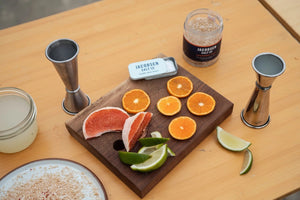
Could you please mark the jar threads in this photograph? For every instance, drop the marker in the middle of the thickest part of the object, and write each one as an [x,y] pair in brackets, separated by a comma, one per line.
[202,37]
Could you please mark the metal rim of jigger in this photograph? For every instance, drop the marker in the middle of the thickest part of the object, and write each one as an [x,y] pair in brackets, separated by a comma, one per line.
[272,54]
[74,113]
[60,40]
[252,126]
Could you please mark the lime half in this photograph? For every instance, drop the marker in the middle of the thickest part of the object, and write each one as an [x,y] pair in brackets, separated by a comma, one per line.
[248,160]
[231,142]
[157,159]
[133,158]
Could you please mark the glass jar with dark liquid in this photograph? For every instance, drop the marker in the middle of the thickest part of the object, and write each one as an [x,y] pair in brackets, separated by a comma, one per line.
[202,37]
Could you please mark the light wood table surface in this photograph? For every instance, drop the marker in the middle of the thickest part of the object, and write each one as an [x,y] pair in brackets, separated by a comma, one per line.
[111,34]
[287,12]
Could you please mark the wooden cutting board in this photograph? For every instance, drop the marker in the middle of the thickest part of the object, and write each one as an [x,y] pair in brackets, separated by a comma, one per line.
[106,147]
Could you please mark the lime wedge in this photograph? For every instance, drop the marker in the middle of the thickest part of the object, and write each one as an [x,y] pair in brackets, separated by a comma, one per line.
[231,142]
[158,158]
[147,142]
[156,134]
[133,158]
[248,159]
[149,150]
[170,152]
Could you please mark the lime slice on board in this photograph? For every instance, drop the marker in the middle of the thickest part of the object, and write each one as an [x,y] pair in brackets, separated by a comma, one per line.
[147,142]
[158,158]
[149,150]
[156,134]
[247,163]
[133,158]
[231,142]
[170,152]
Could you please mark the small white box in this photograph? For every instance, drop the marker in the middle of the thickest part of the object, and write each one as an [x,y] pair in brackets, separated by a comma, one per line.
[152,69]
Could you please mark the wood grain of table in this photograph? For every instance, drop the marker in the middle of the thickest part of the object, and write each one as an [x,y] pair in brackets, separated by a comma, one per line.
[287,12]
[112,34]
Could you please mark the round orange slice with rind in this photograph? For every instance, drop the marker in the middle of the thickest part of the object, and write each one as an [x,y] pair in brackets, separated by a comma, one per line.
[201,103]
[182,128]
[169,105]
[135,101]
[180,86]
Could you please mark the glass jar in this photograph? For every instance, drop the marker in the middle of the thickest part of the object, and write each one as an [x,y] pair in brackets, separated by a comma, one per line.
[202,37]
[18,126]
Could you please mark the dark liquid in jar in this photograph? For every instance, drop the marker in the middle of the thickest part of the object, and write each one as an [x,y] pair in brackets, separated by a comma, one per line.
[202,41]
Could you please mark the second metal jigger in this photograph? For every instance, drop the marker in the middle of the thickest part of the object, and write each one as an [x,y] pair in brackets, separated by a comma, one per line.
[63,54]
[267,67]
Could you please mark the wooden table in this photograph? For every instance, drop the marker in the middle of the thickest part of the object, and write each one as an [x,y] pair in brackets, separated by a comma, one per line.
[112,34]
[287,12]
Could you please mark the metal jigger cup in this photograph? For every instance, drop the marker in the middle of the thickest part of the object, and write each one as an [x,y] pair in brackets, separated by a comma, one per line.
[267,66]
[63,54]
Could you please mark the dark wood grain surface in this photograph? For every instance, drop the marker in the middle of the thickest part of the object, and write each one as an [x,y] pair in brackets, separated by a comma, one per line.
[106,147]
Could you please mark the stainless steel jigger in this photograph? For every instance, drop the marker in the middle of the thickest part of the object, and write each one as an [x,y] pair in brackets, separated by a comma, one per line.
[63,54]
[267,67]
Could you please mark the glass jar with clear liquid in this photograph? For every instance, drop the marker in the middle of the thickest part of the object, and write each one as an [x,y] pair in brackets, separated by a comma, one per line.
[18,126]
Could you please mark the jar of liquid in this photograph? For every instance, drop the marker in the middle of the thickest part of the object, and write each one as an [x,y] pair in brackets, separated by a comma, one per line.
[202,37]
[18,126]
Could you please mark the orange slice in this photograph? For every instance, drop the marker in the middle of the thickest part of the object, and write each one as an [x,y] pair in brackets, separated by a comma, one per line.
[169,105]
[135,101]
[180,86]
[182,128]
[200,103]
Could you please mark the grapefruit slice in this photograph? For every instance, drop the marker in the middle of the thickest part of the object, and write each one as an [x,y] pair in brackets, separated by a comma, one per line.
[104,120]
[135,128]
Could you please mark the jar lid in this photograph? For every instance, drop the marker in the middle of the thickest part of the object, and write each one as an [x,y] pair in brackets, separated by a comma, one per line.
[152,69]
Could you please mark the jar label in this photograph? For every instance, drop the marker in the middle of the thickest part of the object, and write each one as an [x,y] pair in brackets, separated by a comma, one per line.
[201,53]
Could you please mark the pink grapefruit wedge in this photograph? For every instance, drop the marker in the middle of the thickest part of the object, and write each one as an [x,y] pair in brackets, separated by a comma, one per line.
[107,119]
[134,128]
